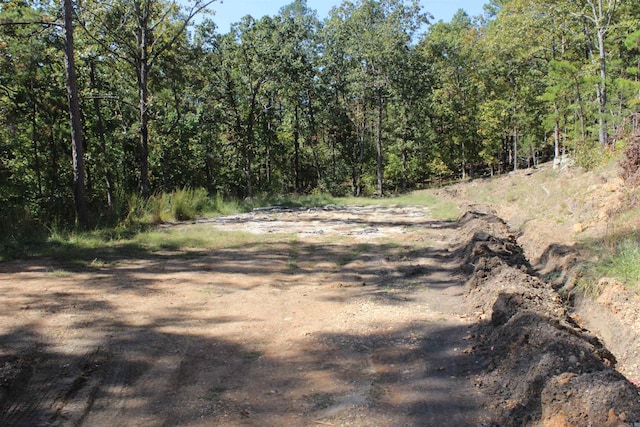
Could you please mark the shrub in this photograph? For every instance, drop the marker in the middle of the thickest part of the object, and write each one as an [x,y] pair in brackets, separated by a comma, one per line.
[187,203]
[630,163]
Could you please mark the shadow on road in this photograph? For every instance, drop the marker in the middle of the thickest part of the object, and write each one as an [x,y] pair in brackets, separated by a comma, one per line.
[101,365]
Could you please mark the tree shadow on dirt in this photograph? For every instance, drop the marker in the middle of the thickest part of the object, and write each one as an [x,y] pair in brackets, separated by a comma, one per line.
[124,373]
[120,373]
[378,265]
[412,375]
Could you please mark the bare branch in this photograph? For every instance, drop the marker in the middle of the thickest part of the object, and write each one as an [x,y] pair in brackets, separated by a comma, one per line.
[196,9]
[42,22]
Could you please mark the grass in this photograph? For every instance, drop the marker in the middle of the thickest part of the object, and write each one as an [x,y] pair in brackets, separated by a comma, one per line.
[92,250]
[60,273]
[440,209]
[294,249]
[138,232]
[354,252]
[619,258]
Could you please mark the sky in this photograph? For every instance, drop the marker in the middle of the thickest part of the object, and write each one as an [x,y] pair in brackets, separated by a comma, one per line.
[228,12]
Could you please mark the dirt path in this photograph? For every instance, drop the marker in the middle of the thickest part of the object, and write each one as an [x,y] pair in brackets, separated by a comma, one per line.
[356,316]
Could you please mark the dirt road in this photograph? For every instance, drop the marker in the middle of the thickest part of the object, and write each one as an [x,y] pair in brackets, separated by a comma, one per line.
[339,316]
[356,317]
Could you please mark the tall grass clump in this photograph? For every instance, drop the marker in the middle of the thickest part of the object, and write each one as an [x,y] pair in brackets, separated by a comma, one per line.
[157,208]
[224,207]
[623,263]
[135,210]
[18,230]
[186,204]
[619,259]
[180,205]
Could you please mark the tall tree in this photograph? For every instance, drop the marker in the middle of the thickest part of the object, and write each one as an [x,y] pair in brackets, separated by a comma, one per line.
[77,141]
[375,34]
[298,65]
[140,32]
[601,15]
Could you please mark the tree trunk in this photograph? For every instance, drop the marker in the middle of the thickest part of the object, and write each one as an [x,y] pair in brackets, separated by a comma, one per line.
[358,190]
[251,118]
[379,140]
[583,131]
[143,88]
[34,140]
[77,148]
[296,148]
[515,149]
[556,137]
[404,166]
[464,160]
[313,140]
[103,141]
[601,89]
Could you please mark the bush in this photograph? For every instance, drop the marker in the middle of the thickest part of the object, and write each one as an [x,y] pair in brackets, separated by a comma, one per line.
[187,204]
[630,163]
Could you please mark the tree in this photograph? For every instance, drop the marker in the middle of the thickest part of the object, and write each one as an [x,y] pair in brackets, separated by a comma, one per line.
[374,36]
[77,142]
[514,70]
[601,15]
[298,57]
[140,33]
[450,49]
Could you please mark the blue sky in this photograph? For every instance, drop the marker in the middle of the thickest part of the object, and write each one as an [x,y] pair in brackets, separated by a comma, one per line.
[230,11]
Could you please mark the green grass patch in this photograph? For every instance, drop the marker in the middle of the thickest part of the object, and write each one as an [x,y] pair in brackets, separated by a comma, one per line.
[289,201]
[619,258]
[61,273]
[94,250]
[137,230]
[353,253]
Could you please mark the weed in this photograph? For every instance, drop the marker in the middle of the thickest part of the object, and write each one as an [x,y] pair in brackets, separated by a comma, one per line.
[292,263]
[60,273]
[156,207]
[352,254]
[187,203]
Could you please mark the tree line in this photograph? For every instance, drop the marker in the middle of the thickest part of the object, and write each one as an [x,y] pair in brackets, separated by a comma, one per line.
[376,98]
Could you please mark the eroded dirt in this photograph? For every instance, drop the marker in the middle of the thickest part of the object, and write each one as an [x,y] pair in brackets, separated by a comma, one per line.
[355,316]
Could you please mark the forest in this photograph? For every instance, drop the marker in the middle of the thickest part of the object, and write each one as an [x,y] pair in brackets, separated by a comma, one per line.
[101,100]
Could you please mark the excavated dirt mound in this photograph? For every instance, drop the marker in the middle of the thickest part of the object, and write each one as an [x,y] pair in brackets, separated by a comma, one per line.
[540,365]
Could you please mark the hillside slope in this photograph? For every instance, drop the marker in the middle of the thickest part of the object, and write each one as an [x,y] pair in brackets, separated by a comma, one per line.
[566,221]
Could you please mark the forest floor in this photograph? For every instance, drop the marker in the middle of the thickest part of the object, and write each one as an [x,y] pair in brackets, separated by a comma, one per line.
[334,316]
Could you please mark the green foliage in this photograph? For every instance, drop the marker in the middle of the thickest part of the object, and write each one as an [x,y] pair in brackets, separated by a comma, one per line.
[292,104]
[591,154]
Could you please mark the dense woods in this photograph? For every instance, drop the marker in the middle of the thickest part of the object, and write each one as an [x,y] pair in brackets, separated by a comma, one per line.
[374,99]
